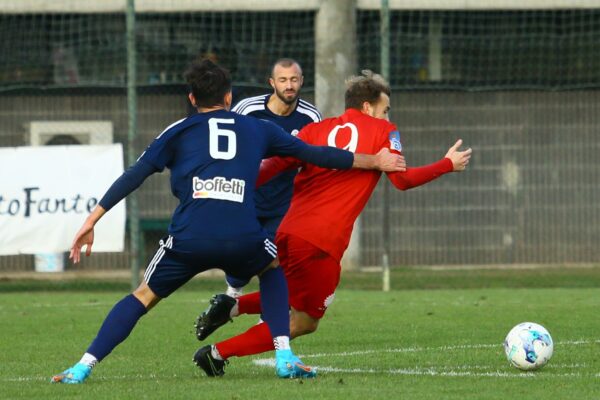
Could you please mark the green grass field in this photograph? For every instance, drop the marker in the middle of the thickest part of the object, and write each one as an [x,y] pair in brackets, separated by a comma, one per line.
[441,343]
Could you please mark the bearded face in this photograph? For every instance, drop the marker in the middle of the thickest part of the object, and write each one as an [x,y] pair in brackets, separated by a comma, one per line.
[287,81]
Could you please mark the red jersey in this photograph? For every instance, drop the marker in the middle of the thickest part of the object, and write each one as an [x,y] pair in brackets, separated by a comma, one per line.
[326,202]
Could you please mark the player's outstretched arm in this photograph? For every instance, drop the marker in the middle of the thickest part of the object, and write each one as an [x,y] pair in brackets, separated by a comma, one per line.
[85,235]
[384,161]
[125,184]
[271,167]
[455,160]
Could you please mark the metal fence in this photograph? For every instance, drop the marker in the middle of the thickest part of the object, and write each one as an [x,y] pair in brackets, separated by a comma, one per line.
[529,196]
[530,192]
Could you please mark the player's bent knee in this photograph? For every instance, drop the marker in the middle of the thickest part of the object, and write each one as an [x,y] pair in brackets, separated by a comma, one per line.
[302,324]
[274,264]
[304,328]
[146,296]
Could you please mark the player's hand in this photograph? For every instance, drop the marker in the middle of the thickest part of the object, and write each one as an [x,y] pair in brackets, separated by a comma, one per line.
[460,159]
[85,237]
[389,162]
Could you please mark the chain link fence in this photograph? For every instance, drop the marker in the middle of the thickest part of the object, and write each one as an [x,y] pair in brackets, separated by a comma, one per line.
[520,87]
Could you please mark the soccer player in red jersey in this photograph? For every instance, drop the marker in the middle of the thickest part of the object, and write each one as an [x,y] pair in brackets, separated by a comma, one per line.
[316,230]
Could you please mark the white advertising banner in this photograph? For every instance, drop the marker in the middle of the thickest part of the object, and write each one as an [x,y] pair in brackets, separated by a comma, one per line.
[47,192]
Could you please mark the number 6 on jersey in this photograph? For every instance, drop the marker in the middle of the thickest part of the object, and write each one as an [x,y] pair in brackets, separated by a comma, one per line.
[213,139]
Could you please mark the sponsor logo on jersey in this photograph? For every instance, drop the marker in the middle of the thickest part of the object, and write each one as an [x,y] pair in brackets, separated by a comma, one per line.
[395,143]
[219,188]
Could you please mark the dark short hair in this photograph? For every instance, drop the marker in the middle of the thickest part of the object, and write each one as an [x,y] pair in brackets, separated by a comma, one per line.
[367,86]
[286,63]
[208,82]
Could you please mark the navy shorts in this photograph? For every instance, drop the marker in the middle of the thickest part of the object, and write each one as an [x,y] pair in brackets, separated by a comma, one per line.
[178,261]
[270,225]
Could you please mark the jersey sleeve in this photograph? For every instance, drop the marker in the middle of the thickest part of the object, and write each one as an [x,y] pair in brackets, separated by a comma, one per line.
[283,144]
[418,176]
[126,183]
[391,138]
[394,143]
[415,176]
[271,167]
[160,152]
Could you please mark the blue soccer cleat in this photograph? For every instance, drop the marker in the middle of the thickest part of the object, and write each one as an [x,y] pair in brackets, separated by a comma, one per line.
[289,366]
[76,374]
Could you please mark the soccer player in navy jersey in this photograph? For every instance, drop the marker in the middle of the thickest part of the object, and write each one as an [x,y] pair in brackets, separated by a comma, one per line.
[213,157]
[286,109]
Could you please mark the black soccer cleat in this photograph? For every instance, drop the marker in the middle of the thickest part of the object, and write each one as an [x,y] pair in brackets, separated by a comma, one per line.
[210,365]
[216,315]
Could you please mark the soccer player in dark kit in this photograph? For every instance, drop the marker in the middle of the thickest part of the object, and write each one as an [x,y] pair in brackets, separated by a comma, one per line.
[286,109]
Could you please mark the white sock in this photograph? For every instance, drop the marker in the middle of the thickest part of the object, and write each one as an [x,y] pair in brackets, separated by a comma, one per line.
[281,343]
[89,360]
[234,291]
[215,353]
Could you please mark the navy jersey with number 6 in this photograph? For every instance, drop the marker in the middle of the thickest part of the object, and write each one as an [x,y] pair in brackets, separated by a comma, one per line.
[214,159]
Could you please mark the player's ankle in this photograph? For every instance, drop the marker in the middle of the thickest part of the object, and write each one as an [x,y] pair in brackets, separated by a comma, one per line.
[235,310]
[89,360]
[214,352]
[281,343]
[234,292]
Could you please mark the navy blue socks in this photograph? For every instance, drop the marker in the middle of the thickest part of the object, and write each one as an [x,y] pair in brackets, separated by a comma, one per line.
[274,302]
[117,325]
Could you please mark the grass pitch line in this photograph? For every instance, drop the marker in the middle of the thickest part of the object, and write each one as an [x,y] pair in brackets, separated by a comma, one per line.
[403,371]
[453,371]
[456,371]
[440,348]
[431,371]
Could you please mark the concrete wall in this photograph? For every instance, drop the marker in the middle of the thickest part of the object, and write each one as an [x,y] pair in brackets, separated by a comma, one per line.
[530,194]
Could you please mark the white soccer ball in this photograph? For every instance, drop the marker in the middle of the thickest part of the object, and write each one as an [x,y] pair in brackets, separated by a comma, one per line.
[528,346]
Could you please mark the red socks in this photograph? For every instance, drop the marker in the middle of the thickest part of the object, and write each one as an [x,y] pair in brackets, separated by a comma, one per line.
[249,303]
[254,341]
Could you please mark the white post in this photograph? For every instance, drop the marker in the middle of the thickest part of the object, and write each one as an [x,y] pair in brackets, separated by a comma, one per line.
[435,49]
[351,259]
[386,274]
[335,53]
[335,60]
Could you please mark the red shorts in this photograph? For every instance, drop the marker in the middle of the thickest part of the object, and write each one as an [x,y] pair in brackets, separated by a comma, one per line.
[312,275]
